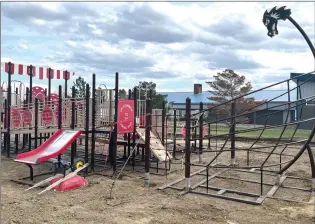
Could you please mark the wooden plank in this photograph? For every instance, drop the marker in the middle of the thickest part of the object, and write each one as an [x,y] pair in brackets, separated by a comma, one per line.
[156,146]
[179,180]
[231,191]
[44,181]
[203,181]
[222,191]
[272,191]
[209,178]
[72,174]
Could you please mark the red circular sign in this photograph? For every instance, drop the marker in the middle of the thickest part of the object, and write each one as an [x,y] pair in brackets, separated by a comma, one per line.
[40,96]
[54,98]
[38,92]
[126,116]
[47,115]
[27,117]
[15,118]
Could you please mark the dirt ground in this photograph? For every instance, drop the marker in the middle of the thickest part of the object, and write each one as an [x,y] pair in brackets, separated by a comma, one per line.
[133,203]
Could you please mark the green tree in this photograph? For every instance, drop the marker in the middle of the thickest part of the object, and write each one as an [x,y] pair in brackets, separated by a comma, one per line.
[145,88]
[122,94]
[80,87]
[226,86]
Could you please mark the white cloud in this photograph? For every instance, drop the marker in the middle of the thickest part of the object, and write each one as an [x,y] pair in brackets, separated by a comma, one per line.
[173,45]
[23,45]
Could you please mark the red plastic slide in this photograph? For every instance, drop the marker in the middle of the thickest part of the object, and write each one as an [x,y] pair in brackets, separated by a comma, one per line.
[51,148]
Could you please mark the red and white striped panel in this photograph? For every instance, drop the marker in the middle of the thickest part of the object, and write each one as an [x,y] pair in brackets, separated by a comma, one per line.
[39,72]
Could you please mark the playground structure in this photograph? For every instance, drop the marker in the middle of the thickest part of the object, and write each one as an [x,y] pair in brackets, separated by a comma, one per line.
[33,117]
[258,161]
[102,118]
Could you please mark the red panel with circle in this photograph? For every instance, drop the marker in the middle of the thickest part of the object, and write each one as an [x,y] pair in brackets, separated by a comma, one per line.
[47,115]
[38,92]
[15,118]
[54,98]
[27,117]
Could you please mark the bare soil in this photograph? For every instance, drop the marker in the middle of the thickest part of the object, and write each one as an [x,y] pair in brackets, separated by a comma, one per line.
[132,203]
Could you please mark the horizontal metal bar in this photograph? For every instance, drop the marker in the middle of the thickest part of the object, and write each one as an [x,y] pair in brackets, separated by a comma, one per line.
[227,198]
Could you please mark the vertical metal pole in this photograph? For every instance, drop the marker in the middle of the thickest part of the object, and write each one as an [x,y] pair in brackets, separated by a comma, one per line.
[110,120]
[49,83]
[261,181]
[87,110]
[16,135]
[174,134]
[200,132]
[147,143]
[8,116]
[207,184]
[209,138]
[232,133]
[36,122]
[73,145]
[26,106]
[5,124]
[59,117]
[135,128]
[187,144]
[114,139]
[30,102]
[93,120]
[163,122]
[66,83]
[31,83]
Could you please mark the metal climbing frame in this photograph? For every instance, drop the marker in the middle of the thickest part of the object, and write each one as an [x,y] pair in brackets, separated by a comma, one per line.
[266,166]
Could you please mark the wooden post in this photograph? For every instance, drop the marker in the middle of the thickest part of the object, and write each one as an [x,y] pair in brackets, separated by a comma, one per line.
[200,132]
[147,142]
[187,144]
[174,133]
[232,133]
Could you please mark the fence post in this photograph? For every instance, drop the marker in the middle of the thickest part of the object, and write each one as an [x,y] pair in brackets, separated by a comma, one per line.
[128,135]
[200,132]
[8,109]
[87,117]
[73,120]
[93,120]
[232,132]
[147,143]
[187,144]
[36,122]
[163,122]
[114,133]
[59,117]
[135,128]
[174,134]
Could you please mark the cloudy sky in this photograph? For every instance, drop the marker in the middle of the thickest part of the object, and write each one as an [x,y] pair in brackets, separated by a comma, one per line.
[171,44]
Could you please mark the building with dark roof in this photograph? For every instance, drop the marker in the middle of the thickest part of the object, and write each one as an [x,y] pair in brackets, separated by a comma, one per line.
[277,106]
[305,91]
